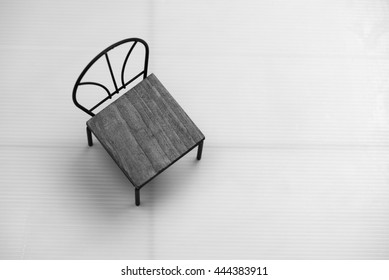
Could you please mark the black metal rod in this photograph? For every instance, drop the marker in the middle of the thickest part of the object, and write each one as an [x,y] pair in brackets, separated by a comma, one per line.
[104,53]
[98,104]
[89,136]
[137,197]
[111,94]
[112,75]
[200,150]
[146,61]
[130,81]
[125,62]
[96,84]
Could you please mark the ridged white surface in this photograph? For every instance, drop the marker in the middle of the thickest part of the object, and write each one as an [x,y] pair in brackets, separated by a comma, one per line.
[292,97]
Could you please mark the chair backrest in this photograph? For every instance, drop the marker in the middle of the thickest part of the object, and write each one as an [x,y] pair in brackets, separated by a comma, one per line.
[117,87]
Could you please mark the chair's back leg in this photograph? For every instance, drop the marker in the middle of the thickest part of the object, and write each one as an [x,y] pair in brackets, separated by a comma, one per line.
[200,150]
[89,135]
[137,197]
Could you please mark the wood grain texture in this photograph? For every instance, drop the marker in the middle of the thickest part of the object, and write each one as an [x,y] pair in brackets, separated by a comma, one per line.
[172,104]
[145,131]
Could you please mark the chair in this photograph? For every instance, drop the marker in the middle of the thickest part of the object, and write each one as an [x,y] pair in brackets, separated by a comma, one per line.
[145,130]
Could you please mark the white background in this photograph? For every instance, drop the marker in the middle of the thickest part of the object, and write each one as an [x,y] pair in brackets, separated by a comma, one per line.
[292,97]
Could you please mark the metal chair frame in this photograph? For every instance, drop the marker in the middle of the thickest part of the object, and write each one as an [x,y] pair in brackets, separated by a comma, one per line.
[117,88]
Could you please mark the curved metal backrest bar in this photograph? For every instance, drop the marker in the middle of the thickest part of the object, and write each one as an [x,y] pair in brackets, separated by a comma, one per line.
[117,88]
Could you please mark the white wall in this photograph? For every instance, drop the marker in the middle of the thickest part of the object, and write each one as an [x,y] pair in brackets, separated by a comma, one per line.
[292,97]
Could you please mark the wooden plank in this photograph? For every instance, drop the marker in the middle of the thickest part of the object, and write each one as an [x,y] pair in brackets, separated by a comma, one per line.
[142,134]
[113,134]
[149,96]
[194,131]
[170,144]
[157,117]
[170,124]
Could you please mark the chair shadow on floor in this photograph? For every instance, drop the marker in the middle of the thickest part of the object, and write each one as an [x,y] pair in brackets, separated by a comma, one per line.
[97,177]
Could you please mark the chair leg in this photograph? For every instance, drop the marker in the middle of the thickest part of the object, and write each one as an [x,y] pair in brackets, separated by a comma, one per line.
[137,197]
[200,150]
[89,135]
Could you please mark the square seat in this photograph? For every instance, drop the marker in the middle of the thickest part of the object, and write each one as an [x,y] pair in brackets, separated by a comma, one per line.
[145,131]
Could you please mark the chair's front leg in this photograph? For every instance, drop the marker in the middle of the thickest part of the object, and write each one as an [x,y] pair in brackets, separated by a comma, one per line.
[200,150]
[89,135]
[137,197]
